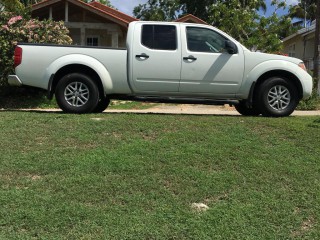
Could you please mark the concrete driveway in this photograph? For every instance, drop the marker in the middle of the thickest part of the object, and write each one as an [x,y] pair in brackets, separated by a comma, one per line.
[192,109]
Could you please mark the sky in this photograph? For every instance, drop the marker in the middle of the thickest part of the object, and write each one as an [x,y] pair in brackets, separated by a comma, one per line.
[127,6]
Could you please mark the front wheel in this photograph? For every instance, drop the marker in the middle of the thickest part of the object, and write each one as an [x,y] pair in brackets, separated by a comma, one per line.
[102,105]
[77,93]
[277,97]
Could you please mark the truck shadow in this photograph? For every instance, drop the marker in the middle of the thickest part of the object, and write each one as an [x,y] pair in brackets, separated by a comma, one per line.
[24,98]
[59,112]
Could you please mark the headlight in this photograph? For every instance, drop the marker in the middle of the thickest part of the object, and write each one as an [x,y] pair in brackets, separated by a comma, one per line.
[302,66]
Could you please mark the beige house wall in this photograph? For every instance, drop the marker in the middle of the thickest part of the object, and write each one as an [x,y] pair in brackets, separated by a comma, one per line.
[294,47]
[301,46]
[309,46]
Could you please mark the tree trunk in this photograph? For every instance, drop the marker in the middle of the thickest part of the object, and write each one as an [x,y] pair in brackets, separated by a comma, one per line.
[316,49]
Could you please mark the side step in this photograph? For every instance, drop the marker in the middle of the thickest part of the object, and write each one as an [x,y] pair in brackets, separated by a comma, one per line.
[185,100]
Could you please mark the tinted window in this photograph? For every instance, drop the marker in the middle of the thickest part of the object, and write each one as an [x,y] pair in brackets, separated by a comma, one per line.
[160,37]
[205,40]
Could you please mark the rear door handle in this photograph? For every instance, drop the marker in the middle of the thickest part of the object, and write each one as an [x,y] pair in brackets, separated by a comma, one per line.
[142,56]
[190,58]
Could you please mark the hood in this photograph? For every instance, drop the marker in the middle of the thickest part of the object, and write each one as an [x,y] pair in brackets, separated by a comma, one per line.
[267,57]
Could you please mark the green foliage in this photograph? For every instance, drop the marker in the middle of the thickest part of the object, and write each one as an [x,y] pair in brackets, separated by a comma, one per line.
[14,29]
[235,20]
[157,10]
[12,5]
[312,103]
[254,31]
[201,9]
[197,8]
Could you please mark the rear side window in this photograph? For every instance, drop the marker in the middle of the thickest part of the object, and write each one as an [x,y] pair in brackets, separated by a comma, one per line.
[159,37]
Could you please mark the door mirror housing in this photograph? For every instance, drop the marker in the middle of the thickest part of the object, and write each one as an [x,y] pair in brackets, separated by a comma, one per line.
[231,47]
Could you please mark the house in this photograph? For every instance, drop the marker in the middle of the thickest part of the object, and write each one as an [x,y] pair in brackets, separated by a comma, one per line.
[90,24]
[301,45]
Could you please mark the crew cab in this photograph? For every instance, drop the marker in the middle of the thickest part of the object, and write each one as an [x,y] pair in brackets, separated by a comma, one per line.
[165,62]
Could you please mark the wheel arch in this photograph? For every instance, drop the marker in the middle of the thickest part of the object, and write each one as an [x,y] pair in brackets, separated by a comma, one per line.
[279,73]
[74,68]
[77,63]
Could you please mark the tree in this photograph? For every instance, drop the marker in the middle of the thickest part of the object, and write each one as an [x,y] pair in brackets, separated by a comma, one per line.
[158,10]
[12,5]
[254,31]
[198,8]
[201,9]
[305,9]
[168,10]
[29,2]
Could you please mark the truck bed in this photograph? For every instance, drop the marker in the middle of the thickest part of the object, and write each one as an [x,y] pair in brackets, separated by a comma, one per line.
[37,58]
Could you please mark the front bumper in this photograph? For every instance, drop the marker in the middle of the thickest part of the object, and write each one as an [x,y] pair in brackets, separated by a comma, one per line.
[14,80]
[307,84]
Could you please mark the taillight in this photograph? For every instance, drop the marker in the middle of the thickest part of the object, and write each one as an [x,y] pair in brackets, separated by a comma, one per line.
[17,56]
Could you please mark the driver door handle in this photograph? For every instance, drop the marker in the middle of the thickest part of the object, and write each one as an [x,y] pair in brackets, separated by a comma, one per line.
[190,58]
[142,56]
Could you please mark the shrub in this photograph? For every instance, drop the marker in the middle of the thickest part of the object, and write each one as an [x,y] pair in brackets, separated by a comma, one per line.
[14,29]
[312,103]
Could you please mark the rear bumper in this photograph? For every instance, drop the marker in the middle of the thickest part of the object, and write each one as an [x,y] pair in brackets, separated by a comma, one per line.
[14,80]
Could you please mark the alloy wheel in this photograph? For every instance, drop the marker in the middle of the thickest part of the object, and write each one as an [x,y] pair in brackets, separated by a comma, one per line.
[76,94]
[279,97]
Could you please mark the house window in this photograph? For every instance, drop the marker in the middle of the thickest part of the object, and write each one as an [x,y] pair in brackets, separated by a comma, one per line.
[92,41]
[159,37]
[292,50]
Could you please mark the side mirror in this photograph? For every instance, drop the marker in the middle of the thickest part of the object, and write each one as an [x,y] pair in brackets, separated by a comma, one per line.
[231,47]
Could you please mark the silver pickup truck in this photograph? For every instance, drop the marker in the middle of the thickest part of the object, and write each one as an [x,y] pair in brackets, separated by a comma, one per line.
[165,62]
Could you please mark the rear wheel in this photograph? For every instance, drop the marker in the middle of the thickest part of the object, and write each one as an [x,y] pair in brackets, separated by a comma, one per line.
[77,93]
[277,97]
[244,110]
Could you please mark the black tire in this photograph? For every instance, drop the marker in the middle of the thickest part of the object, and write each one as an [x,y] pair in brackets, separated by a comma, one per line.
[244,110]
[102,105]
[277,97]
[77,93]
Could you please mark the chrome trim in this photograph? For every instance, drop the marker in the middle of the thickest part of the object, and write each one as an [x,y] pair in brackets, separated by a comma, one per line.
[14,80]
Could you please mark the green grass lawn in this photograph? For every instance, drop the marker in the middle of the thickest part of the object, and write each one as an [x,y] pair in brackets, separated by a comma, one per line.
[135,176]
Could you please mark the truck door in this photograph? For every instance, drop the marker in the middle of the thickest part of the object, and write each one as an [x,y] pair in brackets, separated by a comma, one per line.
[207,67]
[155,58]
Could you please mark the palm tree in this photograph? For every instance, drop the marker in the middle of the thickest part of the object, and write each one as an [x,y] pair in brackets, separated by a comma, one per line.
[306,10]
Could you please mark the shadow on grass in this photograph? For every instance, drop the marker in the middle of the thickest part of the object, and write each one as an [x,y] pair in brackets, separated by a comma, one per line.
[24,98]
[56,111]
